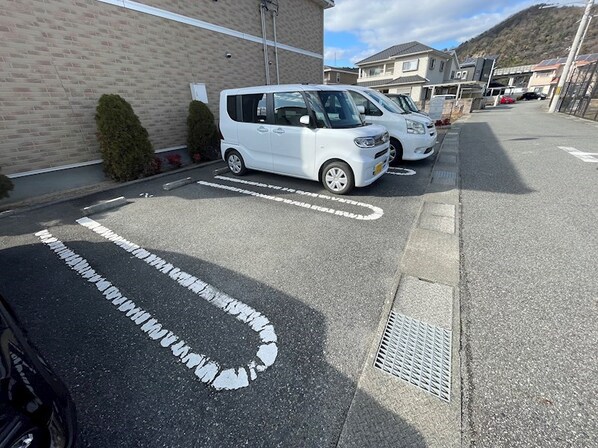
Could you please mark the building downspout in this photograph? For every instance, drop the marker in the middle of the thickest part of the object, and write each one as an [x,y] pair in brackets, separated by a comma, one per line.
[274,14]
[263,7]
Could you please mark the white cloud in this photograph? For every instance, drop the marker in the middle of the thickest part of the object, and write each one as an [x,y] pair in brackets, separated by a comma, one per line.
[382,23]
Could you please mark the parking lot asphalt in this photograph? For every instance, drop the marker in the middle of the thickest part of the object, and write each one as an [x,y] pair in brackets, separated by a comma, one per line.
[227,312]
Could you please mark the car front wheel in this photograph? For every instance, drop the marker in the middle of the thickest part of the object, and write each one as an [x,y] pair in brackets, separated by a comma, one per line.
[337,178]
[396,152]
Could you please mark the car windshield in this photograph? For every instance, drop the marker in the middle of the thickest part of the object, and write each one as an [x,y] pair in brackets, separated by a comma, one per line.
[387,103]
[411,103]
[340,109]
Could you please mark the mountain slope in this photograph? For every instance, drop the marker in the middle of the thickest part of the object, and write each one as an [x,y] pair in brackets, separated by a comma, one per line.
[532,35]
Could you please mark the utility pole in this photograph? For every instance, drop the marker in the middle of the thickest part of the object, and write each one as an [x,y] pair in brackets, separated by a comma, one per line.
[577,42]
[584,36]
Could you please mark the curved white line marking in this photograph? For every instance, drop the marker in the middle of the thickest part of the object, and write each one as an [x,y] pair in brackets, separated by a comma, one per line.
[208,371]
[402,172]
[377,212]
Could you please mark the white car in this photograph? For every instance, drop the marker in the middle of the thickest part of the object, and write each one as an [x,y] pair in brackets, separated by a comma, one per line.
[306,131]
[412,136]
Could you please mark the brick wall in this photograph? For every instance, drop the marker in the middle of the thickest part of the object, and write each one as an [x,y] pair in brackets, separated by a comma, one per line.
[59,57]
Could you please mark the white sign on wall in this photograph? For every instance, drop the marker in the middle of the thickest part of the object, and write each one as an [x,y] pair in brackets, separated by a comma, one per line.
[436,107]
[199,92]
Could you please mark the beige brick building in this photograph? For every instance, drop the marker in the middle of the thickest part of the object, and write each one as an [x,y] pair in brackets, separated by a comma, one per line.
[58,57]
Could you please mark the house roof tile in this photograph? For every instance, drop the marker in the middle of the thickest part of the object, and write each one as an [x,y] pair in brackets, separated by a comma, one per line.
[415,79]
[398,50]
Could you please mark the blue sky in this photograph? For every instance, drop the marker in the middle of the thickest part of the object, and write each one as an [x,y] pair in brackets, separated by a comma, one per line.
[356,29]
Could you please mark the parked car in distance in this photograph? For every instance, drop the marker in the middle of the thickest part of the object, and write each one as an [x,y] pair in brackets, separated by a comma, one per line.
[532,96]
[36,409]
[412,136]
[406,103]
[306,131]
[505,99]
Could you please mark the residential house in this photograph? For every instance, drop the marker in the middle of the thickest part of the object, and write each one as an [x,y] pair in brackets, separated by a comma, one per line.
[59,57]
[340,75]
[476,69]
[546,74]
[409,68]
[515,79]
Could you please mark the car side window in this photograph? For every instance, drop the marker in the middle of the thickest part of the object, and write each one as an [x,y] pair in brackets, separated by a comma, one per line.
[254,108]
[289,107]
[231,107]
[370,108]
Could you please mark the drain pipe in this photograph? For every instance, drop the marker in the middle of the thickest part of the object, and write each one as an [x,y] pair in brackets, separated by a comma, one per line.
[265,40]
[274,14]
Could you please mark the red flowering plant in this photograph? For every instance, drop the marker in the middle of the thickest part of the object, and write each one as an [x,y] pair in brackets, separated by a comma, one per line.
[174,160]
[196,157]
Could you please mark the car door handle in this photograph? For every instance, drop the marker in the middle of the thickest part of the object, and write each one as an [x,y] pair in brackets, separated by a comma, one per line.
[278,131]
[262,129]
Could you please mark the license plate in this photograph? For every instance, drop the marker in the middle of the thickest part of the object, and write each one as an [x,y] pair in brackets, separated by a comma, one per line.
[378,168]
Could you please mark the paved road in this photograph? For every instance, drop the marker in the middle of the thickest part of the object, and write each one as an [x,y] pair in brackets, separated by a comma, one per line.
[530,278]
[318,280]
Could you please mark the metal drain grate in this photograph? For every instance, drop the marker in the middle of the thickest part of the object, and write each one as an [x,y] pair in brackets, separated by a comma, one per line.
[417,353]
[444,177]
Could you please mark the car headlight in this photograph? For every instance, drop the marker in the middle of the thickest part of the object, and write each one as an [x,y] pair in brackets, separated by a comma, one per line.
[365,142]
[414,127]
[385,137]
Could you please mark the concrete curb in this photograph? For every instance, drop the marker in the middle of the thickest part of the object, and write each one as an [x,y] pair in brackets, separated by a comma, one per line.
[176,184]
[437,220]
[22,207]
[220,171]
[104,206]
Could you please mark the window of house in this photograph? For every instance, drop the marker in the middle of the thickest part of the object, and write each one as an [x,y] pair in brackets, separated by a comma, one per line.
[441,68]
[390,68]
[453,74]
[374,71]
[370,108]
[289,107]
[458,75]
[254,108]
[410,66]
[432,63]
[464,74]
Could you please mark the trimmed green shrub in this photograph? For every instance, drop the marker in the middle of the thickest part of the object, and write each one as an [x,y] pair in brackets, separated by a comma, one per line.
[201,131]
[126,149]
[5,186]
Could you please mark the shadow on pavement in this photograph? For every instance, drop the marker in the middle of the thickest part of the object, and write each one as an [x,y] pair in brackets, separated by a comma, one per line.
[130,391]
[483,176]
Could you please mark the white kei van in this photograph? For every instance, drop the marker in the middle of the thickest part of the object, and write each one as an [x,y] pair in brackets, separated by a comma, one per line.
[306,131]
[412,136]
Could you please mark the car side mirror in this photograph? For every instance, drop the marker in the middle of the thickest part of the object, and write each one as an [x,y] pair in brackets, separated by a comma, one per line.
[305,120]
[361,110]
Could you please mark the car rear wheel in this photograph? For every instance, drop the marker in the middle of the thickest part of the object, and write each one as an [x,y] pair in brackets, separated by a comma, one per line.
[337,178]
[396,152]
[235,163]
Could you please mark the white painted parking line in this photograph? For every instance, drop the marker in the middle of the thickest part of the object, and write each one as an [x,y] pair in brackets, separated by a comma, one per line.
[207,370]
[588,157]
[377,212]
[401,171]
